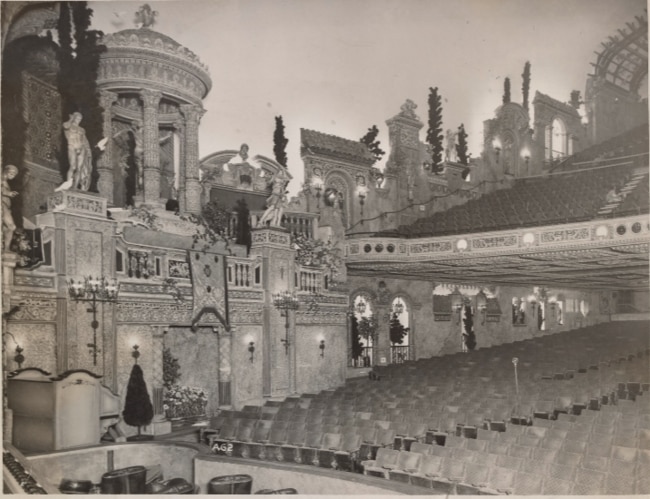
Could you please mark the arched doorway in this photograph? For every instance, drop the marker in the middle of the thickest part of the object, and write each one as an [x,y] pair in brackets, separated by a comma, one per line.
[363,332]
[400,331]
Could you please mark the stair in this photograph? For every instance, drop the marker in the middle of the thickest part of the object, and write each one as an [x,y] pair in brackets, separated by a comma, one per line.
[635,178]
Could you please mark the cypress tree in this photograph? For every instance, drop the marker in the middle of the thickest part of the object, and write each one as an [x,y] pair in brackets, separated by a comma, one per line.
[461,147]
[369,139]
[468,322]
[397,331]
[280,142]
[434,132]
[506,91]
[525,86]
[138,410]
[357,347]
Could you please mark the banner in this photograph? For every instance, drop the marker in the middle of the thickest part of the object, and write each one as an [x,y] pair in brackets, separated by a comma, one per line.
[209,286]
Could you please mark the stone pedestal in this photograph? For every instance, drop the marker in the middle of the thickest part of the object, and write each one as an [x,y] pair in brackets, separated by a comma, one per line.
[273,245]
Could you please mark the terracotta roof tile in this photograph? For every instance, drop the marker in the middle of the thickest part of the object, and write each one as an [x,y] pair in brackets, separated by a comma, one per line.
[331,145]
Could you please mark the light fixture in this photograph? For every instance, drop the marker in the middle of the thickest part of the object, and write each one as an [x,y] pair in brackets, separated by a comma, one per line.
[135,353]
[602,231]
[362,190]
[461,244]
[19,358]
[321,346]
[481,304]
[457,304]
[528,238]
[361,307]
[317,183]
[398,307]
[94,291]
[251,350]
[532,300]
[525,153]
[496,145]
[285,301]
[379,179]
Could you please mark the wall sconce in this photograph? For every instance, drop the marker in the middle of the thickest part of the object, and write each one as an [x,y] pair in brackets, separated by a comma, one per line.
[525,153]
[456,304]
[361,307]
[496,145]
[362,190]
[481,304]
[533,302]
[135,353]
[284,302]
[552,300]
[321,346]
[19,358]
[317,183]
[379,179]
[251,350]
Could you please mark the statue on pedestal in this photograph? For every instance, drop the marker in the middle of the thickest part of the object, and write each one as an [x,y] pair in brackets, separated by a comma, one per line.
[276,202]
[79,155]
[8,225]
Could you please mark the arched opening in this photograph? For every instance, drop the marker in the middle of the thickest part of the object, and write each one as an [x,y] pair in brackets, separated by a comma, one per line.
[399,332]
[558,139]
[363,332]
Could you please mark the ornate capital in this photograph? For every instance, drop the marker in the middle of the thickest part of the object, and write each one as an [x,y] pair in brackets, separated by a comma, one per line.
[192,113]
[107,98]
[150,98]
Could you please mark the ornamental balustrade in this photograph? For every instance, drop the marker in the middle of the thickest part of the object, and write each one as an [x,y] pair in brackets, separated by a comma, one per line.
[310,280]
[244,273]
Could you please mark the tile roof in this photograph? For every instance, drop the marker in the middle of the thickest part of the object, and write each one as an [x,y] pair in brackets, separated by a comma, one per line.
[331,145]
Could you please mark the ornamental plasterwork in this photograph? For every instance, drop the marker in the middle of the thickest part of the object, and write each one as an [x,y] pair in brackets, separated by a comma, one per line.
[178,268]
[494,242]
[431,247]
[268,236]
[320,167]
[245,313]
[322,316]
[35,309]
[562,235]
[147,312]
[238,294]
[80,203]
[33,281]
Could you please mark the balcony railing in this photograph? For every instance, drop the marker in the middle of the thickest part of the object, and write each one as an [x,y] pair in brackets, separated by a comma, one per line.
[244,273]
[310,280]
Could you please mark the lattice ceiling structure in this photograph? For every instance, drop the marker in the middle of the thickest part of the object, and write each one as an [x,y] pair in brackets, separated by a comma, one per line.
[624,58]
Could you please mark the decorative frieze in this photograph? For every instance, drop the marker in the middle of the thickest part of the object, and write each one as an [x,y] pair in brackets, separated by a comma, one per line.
[324,315]
[246,313]
[77,202]
[35,309]
[178,269]
[33,281]
[495,242]
[562,235]
[149,313]
[431,247]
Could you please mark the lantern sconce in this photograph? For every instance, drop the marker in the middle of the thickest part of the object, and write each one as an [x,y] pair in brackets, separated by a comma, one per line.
[362,190]
[321,346]
[532,300]
[361,307]
[19,358]
[251,350]
[525,153]
[135,353]
[496,145]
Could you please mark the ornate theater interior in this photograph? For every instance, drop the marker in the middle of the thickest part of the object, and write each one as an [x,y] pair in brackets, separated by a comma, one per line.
[414,321]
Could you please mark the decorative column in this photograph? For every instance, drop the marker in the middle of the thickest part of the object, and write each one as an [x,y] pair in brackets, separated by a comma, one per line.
[151,156]
[225,366]
[105,182]
[192,114]
[179,127]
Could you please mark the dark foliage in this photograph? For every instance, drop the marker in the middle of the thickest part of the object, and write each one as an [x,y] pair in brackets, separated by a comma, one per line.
[576,100]
[434,132]
[525,86]
[506,91]
[370,140]
[468,323]
[280,142]
[171,369]
[397,330]
[78,71]
[243,224]
[461,147]
[357,347]
[138,410]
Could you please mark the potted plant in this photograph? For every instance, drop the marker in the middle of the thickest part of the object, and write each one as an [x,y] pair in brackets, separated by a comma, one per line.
[138,409]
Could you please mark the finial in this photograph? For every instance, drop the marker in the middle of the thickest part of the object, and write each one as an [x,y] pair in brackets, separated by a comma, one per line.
[145,17]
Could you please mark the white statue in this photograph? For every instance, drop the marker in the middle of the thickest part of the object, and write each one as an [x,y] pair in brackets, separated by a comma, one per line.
[8,225]
[276,202]
[79,155]
[450,150]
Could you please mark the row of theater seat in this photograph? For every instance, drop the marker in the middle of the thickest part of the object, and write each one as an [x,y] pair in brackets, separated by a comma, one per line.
[459,398]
